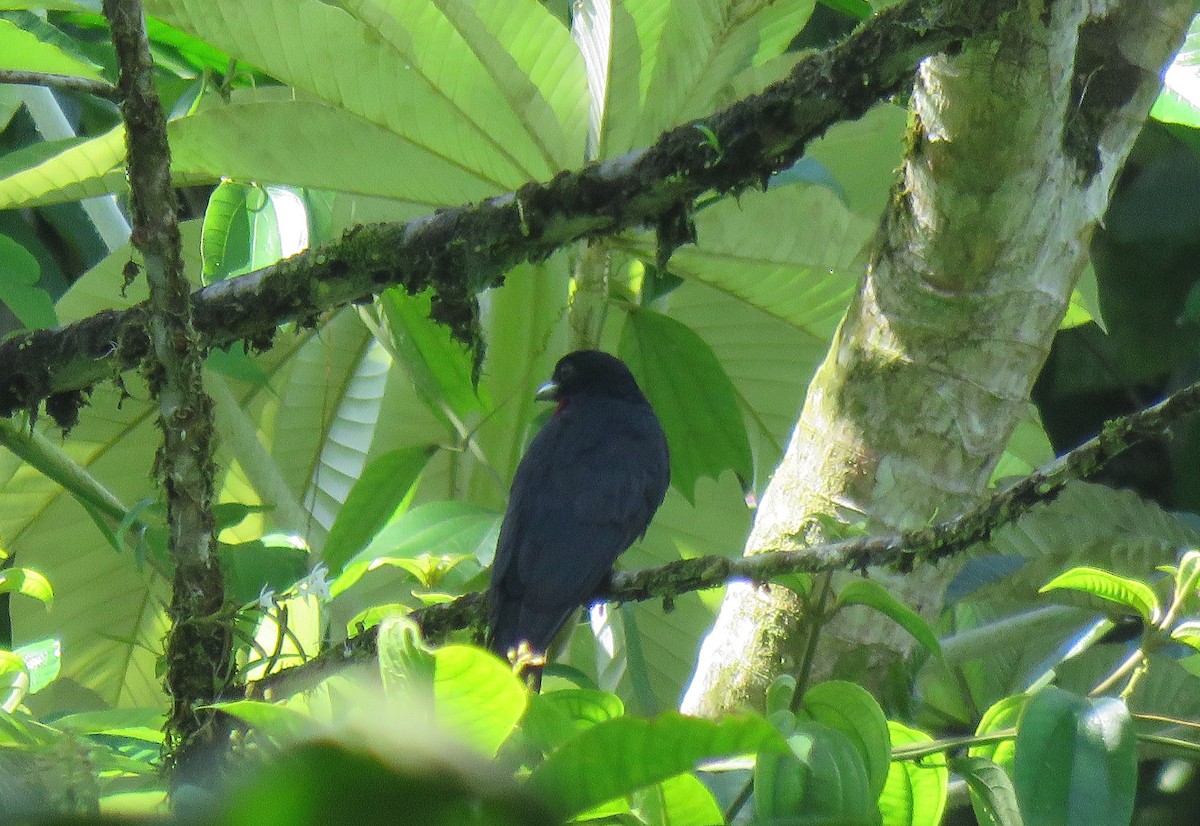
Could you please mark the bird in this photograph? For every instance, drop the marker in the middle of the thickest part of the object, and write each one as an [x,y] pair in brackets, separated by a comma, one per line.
[585,490]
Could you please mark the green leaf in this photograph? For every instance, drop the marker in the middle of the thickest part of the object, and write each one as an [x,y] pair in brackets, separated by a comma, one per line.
[680,801]
[406,663]
[22,50]
[823,778]
[850,709]
[439,366]
[780,694]
[28,582]
[639,752]
[692,50]
[252,567]
[1177,102]
[241,231]
[411,57]
[330,782]
[1188,633]
[19,275]
[78,169]
[44,661]
[693,397]
[870,593]
[237,363]
[1122,590]
[436,528]
[277,721]
[476,696]
[992,793]
[1085,301]
[136,723]
[1187,573]
[554,718]
[1001,715]
[1027,450]
[53,5]
[858,9]
[379,495]
[916,791]
[746,249]
[14,682]
[1075,760]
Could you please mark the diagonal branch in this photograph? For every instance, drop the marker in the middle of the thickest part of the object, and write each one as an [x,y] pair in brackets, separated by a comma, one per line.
[67,83]
[460,251]
[897,551]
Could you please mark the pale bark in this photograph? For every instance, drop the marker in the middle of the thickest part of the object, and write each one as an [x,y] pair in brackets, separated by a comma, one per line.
[1015,146]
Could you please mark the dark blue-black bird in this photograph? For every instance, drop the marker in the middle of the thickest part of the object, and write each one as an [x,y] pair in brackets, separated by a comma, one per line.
[585,490]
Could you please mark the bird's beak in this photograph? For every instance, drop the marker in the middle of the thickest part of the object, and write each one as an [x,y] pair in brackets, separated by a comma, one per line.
[548,392]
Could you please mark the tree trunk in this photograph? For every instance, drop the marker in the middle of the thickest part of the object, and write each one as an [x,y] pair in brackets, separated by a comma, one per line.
[1013,151]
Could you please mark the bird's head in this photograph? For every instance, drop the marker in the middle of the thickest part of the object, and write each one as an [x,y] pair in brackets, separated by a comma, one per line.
[590,373]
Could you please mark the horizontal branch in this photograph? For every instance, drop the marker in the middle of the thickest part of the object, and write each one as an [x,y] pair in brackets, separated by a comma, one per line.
[67,83]
[459,252]
[899,551]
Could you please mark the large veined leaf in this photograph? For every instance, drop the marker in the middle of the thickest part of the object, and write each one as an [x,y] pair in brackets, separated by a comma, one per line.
[703,45]
[790,252]
[653,64]
[346,438]
[109,614]
[269,136]
[1075,761]
[263,135]
[400,66]
[546,92]
[1089,524]
[79,170]
[915,791]
[22,50]
[694,399]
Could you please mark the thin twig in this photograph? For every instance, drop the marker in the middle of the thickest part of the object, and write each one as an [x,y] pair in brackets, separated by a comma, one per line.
[66,83]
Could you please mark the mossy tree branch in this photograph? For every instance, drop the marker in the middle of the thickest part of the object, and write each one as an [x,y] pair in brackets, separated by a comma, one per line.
[459,252]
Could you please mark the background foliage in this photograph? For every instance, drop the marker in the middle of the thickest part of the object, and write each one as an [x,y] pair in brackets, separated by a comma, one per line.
[362,473]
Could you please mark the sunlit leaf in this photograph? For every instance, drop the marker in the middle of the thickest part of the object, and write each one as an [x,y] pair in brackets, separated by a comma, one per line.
[1104,584]
[916,791]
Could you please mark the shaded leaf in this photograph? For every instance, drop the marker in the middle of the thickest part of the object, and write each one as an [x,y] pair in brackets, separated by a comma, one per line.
[992,793]
[1075,760]
[870,593]
[850,709]
[379,494]
[693,397]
